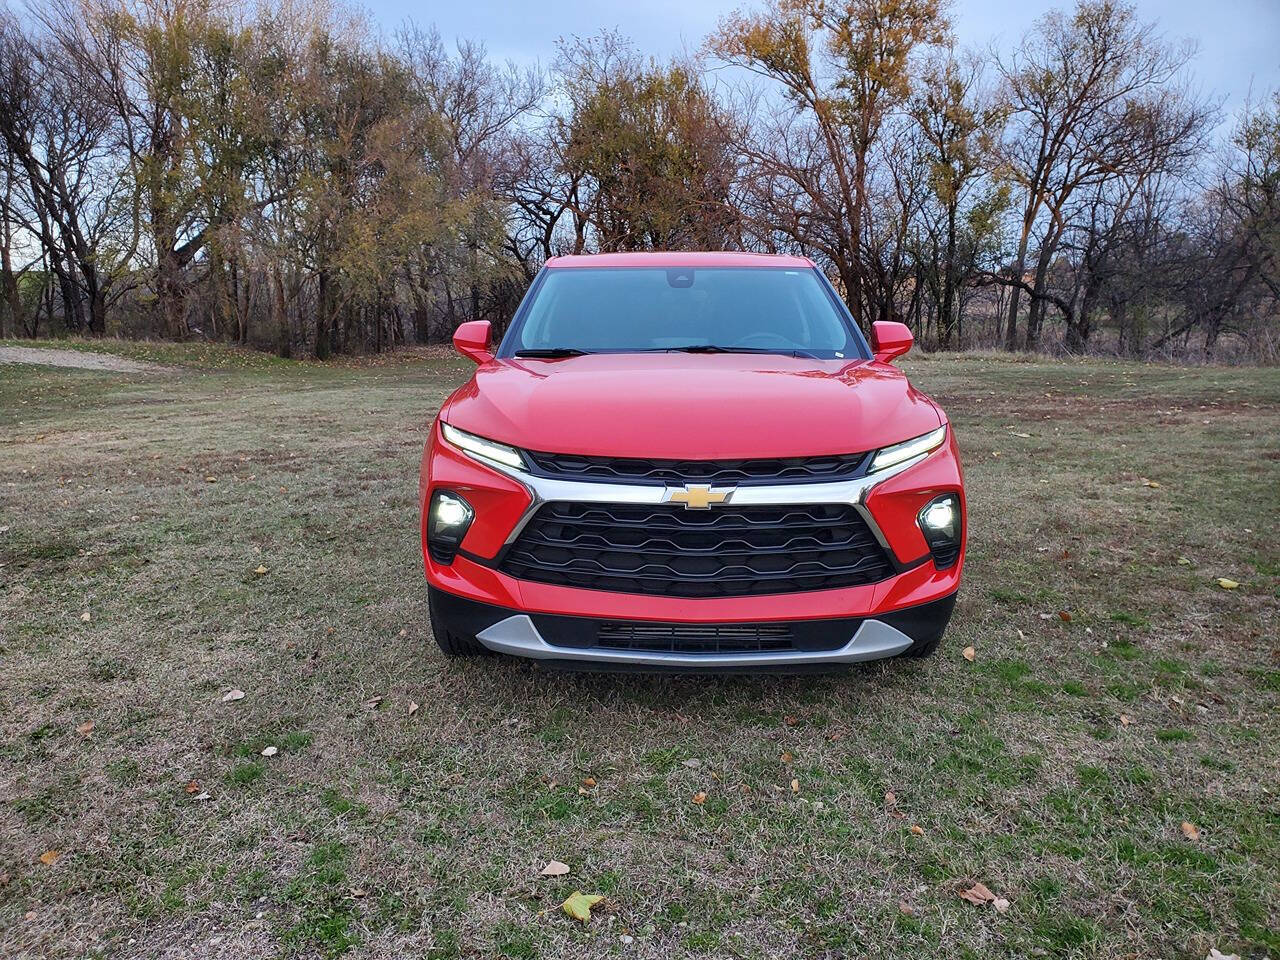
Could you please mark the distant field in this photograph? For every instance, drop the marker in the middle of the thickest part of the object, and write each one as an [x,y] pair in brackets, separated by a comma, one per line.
[1108,763]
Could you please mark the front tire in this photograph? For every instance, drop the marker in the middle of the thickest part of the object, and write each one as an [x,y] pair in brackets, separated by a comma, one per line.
[451,641]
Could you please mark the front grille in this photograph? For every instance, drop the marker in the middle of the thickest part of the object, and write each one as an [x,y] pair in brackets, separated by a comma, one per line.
[569,466]
[673,552]
[694,637]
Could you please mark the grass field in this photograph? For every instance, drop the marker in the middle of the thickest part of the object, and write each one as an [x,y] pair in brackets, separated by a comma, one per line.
[1058,767]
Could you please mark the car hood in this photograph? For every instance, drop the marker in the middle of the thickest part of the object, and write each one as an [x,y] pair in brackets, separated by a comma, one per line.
[691,406]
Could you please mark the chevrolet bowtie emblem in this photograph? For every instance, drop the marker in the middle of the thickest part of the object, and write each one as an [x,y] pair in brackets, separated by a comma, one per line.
[698,496]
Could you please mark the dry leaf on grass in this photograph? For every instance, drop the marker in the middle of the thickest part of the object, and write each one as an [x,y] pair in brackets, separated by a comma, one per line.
[1216,954]
[1226,583]
[85,728]
[589,782]
[260,570]
[1064,616]
[693,763]
[700,797]
[232,695]
[1153,484]
[890,799]
[787,756]
[969,653]
[917,830]
[269,751]
[192,786]
[1190,831]
[413,708]
[1125,720]
[579,905]
[795,786]
[905,908]
[86,616]
[1184,561]
[554,869]
[49,857]
[978,894]
[1001,905]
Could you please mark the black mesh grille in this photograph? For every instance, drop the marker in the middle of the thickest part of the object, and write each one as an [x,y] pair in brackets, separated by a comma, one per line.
[695,637]
[630,470]
[674,552]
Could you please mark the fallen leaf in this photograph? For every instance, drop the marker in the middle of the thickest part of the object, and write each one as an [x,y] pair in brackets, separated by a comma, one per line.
[1153,484]
[85,728]
[693,763]
[1064,616]
[413,708]
[579,905]
[787,756]
[260,570]
[202,796]
[192,787]
[700,797]
[49,857]
[402,634]
[1190,831]
[85,616]
[1226,583]
[795,786]
[358,892]
[372,703]
[231,695]
[790,721]
[1125,720]
[1001,905]
[890,799]
[978,894]
[1216,954]
[555,869]
[588,782]
[211,479]
[917,830]
[905,908]
[1184,562]
[1024,436]
[269,751]
[969,653]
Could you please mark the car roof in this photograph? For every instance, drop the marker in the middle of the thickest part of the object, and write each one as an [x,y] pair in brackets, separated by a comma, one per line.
[677,259]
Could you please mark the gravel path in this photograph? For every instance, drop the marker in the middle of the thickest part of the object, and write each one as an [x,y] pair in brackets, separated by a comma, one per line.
[76,358]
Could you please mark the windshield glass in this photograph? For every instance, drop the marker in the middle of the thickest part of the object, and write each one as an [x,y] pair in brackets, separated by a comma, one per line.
[610,310]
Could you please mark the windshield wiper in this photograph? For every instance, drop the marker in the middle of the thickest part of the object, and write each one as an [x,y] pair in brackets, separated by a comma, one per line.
[715,348]
[552,353]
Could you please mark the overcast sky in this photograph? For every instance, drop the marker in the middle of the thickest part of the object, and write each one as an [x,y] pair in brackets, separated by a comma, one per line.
[1239,39]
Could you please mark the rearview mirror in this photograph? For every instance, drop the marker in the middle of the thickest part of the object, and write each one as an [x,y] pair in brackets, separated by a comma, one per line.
[890,339]
[472,341]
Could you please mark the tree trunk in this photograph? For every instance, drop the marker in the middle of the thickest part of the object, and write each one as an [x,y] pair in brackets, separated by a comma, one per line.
[946,311]
[1019,267]
[323,298]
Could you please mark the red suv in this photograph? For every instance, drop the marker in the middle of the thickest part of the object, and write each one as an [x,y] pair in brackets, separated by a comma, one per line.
[690,461]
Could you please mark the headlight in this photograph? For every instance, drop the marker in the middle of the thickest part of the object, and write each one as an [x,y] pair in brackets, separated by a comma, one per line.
[941,525]
[448,518]
[482,448]
[908,449]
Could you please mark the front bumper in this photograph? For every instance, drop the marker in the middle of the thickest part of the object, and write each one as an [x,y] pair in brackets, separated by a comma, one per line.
[875,613]
[573,642]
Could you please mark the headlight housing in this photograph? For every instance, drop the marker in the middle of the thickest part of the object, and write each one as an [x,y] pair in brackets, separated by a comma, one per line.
[448,519]
[942,525]
[908,450]
[482,449]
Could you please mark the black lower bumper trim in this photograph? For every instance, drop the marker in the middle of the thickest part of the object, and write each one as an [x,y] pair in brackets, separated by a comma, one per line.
[924,624]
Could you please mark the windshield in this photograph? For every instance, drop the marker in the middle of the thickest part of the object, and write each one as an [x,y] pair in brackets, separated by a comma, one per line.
[711,309]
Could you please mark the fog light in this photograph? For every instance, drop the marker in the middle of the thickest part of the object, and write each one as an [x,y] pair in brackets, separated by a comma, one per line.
[940,524]
[448,519]
[940,516]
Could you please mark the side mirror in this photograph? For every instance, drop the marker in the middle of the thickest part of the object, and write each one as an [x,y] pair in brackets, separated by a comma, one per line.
[890,339]
[472,341]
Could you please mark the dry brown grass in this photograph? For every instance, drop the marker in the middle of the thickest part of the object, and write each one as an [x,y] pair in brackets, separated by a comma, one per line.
[372,833]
